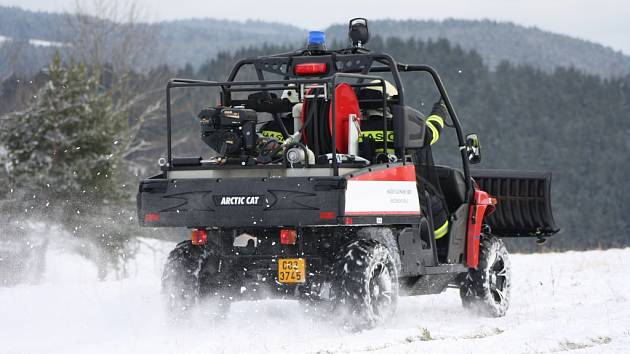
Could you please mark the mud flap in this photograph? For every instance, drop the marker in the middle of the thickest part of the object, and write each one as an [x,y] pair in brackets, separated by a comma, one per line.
[523,202]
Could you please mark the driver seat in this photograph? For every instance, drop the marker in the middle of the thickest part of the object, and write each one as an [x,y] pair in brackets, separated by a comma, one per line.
[453,186]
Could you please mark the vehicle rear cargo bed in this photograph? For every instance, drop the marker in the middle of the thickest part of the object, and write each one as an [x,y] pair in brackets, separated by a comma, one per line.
[238,202]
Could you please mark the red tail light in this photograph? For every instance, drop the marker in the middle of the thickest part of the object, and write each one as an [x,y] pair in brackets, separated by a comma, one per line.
[151,217]
[310,69]
[327,215]
[199,237]
[288,236]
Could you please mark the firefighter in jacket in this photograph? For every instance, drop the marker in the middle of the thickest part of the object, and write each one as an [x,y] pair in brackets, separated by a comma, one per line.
[371,145]
[427,176]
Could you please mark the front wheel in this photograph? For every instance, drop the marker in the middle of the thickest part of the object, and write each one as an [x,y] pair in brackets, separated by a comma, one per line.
[487,288]
[365,284]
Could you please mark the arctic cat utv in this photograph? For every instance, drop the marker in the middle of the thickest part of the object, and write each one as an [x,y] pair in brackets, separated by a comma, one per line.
[317,210]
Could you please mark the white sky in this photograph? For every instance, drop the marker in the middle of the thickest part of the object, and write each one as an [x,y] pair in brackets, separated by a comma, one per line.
[603,21]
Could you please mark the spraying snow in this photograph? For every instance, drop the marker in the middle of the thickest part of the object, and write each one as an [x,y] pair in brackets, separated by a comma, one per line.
[560,302]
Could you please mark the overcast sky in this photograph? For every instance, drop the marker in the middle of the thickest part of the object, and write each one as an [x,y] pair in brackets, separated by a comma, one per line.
[603,21]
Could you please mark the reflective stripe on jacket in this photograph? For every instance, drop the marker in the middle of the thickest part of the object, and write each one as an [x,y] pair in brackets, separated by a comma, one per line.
[435,122]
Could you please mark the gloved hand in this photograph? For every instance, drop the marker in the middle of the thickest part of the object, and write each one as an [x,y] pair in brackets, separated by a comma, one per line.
[439,109]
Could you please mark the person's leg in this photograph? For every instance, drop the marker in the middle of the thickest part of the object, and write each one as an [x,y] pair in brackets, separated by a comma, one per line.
[440,217]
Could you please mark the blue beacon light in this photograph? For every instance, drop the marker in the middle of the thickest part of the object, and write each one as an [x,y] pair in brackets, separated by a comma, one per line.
[316,40]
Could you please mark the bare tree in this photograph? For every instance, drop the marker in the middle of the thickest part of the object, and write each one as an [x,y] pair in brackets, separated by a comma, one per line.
[107,34]
[123,49]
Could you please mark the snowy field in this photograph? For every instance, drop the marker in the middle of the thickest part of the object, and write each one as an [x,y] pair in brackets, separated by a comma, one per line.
[575,301]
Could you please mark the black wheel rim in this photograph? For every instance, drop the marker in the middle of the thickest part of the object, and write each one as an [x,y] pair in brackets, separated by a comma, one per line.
[381,290]
[498,280]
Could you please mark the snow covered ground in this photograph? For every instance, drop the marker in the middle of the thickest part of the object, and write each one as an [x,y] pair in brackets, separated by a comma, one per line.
[575,301]
[37,42]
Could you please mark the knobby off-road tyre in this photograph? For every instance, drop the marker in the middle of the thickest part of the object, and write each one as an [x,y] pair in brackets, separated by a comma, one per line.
[192,274]
[365,285]
[486,289]
[386,237]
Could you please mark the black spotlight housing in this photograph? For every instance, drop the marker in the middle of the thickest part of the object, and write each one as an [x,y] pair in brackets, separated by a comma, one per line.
[358,31]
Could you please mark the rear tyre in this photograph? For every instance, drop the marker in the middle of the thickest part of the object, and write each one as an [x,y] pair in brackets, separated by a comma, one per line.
[365,284]
[486,289]
[192,274]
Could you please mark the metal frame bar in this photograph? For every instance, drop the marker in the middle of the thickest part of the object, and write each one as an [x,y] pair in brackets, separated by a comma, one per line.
[389,65]
[328,81]
[451,111]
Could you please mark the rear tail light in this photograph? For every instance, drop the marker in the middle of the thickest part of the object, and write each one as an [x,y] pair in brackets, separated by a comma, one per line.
[199,237]
[288,236]
[327,215]
[306,69]
[151,217]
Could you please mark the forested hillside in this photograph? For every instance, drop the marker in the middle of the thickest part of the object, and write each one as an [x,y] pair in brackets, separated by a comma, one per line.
[175,43]
[499,41]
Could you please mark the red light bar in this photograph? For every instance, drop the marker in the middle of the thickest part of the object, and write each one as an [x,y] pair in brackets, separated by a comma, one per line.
[288,236]
[199,237]
[151,217]
[311,68]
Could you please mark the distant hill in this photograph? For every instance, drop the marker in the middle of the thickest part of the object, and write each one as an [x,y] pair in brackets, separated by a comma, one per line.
[498,41]
[194,41]
[29,39]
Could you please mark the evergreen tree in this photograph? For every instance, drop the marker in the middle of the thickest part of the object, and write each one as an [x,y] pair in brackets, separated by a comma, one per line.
[63,145]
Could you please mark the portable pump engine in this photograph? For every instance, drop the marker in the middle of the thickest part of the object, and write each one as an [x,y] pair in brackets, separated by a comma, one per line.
[230,132]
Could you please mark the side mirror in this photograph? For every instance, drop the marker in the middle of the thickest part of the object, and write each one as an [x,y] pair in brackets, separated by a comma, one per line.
[473,148]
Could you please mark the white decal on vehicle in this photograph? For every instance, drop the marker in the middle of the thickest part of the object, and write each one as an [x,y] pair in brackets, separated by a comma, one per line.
[239,200]
[382,197]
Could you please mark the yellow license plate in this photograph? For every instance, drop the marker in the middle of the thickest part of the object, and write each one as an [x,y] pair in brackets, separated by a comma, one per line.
[291,270]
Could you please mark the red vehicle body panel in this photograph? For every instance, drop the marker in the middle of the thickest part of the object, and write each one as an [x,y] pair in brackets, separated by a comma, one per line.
[482,205]
[400,173]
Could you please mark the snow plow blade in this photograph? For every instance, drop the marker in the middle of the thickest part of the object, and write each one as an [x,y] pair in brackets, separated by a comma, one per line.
[523,202]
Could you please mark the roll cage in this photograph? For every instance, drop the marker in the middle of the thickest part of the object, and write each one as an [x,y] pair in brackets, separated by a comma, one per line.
[355,63]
